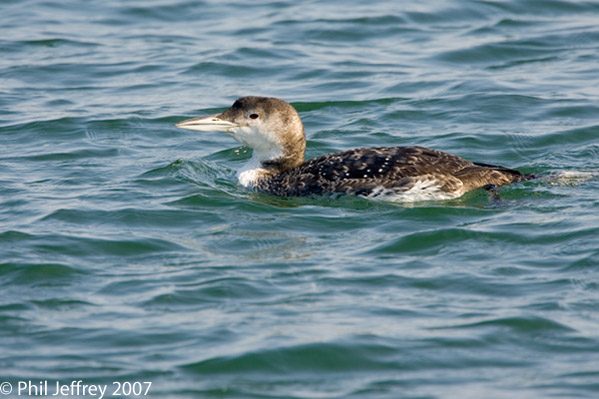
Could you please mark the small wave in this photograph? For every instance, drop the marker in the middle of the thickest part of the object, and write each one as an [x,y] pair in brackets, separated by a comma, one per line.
[323,356]
[200,172]
[526,325]
[38,273]
[570,177]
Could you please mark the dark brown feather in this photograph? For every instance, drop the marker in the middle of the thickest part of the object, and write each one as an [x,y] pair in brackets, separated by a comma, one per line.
[398,169]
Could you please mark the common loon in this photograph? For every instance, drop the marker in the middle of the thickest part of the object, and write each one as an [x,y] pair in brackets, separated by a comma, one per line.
[274,130]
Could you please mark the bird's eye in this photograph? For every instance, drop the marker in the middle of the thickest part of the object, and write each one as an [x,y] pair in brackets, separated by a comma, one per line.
[254,116]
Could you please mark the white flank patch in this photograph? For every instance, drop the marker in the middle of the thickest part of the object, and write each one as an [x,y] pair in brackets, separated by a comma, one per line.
[423,190]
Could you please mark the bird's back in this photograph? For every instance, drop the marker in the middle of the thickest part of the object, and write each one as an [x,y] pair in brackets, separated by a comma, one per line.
[411,173]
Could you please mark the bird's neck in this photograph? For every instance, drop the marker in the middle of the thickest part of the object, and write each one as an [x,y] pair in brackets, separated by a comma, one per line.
[263,165]
[253,172]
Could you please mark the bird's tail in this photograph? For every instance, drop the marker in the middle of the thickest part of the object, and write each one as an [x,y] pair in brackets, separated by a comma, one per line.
[516,175]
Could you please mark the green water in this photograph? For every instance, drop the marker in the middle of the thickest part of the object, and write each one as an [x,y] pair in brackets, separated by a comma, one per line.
[129,253]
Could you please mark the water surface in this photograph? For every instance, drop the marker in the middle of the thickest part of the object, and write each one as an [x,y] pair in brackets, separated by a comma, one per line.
[128,252]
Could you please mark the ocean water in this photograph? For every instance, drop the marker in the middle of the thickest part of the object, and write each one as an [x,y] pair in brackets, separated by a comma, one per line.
[130,257]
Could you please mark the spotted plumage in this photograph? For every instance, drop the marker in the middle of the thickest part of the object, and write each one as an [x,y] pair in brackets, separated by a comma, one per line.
[386,171]
[274,130]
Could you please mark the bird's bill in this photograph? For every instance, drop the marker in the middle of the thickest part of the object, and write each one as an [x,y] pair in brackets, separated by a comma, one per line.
[210,123]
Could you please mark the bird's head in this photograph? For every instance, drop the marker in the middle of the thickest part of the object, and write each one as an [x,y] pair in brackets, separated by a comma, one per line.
[270,126]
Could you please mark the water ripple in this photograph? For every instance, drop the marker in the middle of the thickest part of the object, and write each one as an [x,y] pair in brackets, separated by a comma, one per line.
[129,252]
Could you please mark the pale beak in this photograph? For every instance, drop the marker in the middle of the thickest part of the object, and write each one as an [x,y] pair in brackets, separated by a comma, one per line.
[210,123]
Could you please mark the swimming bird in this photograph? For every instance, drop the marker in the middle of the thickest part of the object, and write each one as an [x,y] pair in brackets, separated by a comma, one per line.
[274,131]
